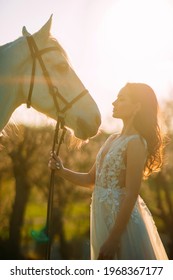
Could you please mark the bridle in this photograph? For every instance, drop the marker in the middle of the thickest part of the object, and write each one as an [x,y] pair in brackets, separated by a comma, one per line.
[36,55]
[53,90]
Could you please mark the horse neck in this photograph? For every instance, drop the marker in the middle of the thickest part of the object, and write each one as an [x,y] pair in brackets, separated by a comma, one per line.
[10,80]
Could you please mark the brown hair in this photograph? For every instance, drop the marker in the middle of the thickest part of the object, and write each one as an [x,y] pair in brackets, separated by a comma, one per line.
[146,123]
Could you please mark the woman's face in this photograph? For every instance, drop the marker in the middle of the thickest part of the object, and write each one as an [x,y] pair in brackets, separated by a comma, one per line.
[123,107]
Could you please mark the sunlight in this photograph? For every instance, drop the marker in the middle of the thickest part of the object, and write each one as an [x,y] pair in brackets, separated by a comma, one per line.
[109,43]
[136,39]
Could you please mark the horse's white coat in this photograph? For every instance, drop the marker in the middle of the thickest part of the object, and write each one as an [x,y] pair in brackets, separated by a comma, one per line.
[15,73]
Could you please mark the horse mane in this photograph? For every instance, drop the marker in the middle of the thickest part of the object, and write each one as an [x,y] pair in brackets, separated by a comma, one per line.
[5,46]
[54,41]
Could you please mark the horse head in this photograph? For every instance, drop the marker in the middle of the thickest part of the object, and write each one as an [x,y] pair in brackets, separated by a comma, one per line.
[83,116]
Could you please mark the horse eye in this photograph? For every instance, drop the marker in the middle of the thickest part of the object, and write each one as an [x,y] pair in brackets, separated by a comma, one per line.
[62,67]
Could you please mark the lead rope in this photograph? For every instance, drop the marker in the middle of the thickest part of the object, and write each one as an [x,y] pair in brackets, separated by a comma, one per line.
[58,142]
[45,235]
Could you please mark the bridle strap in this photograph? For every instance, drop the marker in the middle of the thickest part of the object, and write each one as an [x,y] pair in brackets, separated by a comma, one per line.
[37,54]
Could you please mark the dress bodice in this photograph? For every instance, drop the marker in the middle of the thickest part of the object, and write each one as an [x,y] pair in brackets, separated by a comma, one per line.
[110,169]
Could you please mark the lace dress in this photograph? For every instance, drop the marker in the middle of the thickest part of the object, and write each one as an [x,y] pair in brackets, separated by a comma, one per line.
[140,240]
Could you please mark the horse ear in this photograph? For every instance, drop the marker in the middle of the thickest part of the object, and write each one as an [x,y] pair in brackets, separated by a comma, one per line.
[44,32]
[25,32]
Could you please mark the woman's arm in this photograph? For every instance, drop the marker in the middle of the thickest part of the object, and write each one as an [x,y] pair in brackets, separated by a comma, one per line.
[77,178]
[136,155]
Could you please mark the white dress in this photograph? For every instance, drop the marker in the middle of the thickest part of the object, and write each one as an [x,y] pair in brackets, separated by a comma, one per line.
[140,239]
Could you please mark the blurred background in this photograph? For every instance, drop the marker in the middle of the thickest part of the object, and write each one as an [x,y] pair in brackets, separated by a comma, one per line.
[109,42]
[24,183]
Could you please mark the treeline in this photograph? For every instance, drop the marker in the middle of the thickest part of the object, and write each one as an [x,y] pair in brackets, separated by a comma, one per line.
[24,184]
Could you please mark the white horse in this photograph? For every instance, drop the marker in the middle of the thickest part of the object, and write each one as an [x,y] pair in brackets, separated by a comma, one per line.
[16,64]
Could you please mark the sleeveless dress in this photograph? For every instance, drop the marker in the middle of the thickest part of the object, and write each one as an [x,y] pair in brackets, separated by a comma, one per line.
[140,239]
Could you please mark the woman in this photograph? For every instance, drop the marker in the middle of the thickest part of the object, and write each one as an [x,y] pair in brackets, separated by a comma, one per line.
[121,224]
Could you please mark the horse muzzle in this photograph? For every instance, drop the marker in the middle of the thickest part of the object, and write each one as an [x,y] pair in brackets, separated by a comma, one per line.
[87,130]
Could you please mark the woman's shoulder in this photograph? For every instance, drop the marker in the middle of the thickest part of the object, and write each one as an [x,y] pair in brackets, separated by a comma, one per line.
[136,141]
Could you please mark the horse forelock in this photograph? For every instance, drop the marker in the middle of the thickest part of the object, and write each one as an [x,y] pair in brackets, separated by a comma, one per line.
[57,44]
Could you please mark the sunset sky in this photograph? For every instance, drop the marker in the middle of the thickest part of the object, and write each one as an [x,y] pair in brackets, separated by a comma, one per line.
[109,42]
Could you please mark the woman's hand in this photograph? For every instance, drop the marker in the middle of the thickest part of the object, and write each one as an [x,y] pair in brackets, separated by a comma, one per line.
[55,163]
[76,178]
[108,250]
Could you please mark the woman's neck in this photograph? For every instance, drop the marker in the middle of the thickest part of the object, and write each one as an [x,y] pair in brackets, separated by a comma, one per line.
[128,128]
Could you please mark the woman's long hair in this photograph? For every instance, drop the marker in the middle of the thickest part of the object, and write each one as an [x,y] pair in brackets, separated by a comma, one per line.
[146,123]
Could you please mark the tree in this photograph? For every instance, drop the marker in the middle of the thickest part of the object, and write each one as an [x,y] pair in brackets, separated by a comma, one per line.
[26,150]
[22,146]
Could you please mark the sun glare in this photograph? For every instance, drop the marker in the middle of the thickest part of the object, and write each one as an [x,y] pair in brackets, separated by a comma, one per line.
[111,42]
[136,39]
